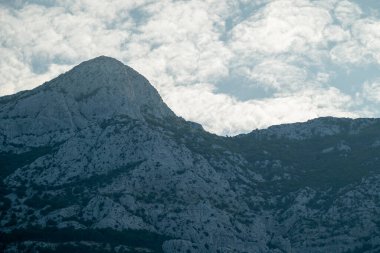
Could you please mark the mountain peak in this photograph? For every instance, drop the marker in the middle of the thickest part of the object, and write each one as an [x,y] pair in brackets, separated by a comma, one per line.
[95,90]
[103,63]
[98,72]
[106,87]
[103,59]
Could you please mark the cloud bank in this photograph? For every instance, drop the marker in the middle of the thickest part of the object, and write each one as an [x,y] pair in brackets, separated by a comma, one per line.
[293,59]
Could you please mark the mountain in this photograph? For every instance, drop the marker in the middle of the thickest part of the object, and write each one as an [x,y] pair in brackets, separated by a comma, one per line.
[94,161]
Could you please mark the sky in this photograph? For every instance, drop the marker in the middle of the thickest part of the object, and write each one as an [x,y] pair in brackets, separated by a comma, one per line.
[232,66]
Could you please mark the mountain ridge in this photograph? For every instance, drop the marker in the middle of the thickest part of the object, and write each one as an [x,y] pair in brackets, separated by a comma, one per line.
[88,173]
[116,68]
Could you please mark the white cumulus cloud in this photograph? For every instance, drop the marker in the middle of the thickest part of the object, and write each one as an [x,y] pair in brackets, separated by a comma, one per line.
[371,91]
[187,49]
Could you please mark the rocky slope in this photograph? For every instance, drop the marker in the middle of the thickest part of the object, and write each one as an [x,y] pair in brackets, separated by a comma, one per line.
[94,161]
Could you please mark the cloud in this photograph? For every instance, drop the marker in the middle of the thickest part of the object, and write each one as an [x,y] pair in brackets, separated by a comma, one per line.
[187,49]
[364,45]
[39,41]
[284,26]
[371,91]
[278,75]
[347,12]
[186,42]
[223,114]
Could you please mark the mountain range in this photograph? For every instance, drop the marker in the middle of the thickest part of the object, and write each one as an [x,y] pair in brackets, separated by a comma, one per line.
[95,161]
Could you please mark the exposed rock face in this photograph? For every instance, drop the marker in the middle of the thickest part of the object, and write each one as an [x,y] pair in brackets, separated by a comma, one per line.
[95,161]
[92,92]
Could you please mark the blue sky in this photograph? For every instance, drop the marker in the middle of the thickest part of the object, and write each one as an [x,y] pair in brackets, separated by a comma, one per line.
[232,66]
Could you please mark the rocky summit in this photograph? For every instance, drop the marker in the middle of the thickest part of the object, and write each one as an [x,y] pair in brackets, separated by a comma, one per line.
[94,161]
